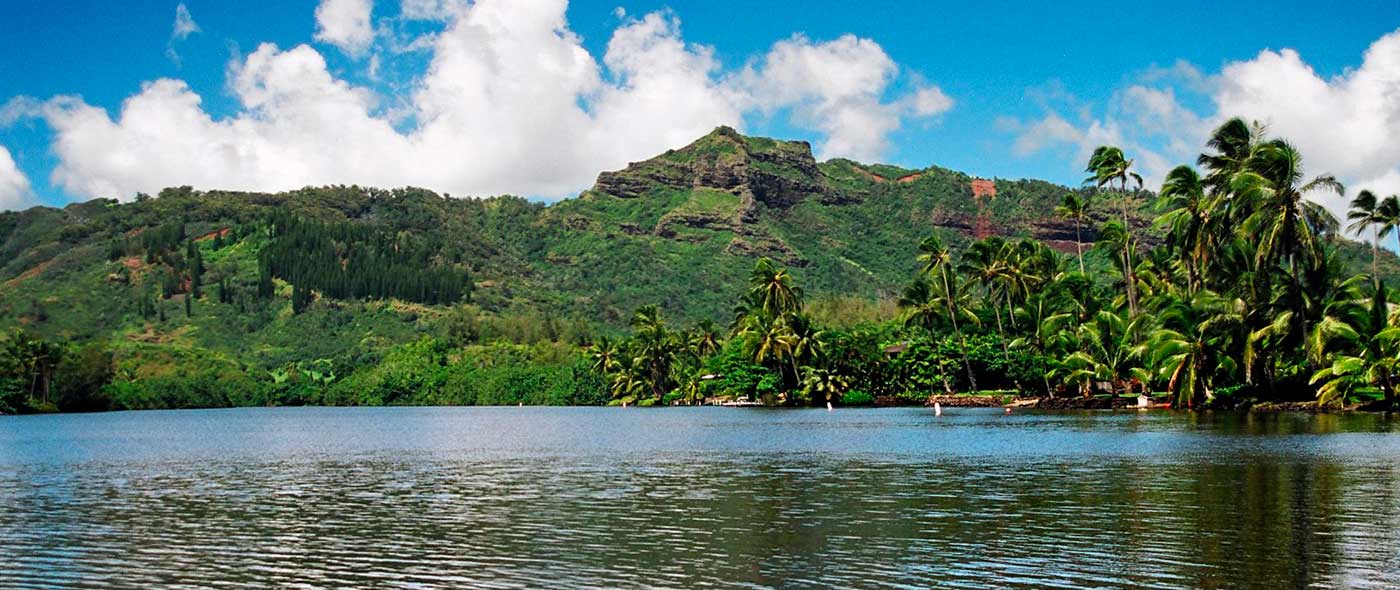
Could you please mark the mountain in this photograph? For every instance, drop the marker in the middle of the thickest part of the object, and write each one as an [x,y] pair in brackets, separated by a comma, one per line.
[345,272]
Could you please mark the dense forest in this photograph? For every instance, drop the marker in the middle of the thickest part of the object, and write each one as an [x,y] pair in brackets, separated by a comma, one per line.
[734,268]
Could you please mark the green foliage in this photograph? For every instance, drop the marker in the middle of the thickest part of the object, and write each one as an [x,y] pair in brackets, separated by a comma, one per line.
[351,261]
[827,276]
[857,398]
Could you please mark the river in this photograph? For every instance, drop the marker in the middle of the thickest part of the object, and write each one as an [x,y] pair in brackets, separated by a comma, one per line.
[697,498]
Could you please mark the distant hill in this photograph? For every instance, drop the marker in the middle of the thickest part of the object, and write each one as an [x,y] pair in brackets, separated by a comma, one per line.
[340,271]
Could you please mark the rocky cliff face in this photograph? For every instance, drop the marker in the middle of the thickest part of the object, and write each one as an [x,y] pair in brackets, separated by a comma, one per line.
[778,174]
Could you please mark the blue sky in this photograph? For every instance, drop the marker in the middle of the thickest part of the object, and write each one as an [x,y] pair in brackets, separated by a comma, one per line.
[1012,89]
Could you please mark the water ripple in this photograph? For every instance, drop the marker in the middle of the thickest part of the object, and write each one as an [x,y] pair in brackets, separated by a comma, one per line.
[706,499]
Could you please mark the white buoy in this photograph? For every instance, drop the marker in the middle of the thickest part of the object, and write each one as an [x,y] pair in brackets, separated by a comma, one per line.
[937,409]
[828,406]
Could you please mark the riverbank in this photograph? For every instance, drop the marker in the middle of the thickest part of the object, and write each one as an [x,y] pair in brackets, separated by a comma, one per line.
[1010,400]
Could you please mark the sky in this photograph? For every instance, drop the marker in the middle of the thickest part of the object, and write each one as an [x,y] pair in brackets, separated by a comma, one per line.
[535,97]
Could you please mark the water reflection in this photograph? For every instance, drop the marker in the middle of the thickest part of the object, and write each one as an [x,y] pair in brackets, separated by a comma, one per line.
[589,498]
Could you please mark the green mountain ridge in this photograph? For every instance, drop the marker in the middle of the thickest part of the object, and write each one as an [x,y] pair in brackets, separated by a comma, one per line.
[681,230]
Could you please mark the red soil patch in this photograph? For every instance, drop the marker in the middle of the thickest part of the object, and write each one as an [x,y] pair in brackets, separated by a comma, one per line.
[872,176]
[132,262]
[29,274]
[211,235]
[907,178]
[982,188]
[131,233]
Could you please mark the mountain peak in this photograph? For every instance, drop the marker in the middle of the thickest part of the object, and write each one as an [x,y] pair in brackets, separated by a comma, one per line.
[758,169]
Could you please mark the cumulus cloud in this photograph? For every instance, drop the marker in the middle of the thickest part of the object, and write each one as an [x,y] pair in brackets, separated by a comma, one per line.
[837,88]
[184,27]
[14,186]
[346,24]
[510,102]
[1344,125]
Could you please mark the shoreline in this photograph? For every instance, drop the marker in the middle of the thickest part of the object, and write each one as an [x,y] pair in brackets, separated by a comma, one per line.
[1011,402]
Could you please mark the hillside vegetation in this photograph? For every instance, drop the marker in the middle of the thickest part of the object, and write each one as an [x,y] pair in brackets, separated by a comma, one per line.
[338,294]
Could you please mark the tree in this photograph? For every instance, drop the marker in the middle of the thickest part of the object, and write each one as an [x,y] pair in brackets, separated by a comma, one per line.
[1193,346]
[820,384]
[1365,215]
[771,289]
[654,348]
[1186,215]
[1285,223]
[925,302]
[942,292]
[33,361]
[1076,208]
[1106,165]
[605,356]
[768,341]
[704,339]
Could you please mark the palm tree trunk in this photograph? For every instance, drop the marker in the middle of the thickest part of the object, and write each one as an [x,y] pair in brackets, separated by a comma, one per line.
[1298,307]
[1128,252]
[1010,311]
[1044,367]
[962,341]
[1005,352]
[1079,245]
[1375,253]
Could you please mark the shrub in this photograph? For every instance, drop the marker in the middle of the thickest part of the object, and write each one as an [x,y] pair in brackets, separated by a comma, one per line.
[857,398]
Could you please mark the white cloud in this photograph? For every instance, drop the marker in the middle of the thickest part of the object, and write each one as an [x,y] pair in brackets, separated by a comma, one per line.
[427,9]
[184,23]
[929,101]
[1344,125]
[183,27]
[510,102]
[346,24]
[837,88]
[1036,136]
[14,186]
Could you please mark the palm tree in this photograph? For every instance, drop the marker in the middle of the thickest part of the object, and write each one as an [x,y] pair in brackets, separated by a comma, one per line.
[1193,346]
[1075,207]
[704,339]
[772,290]
[1363,216]
[1388,210]
[926,302]
[654,348]
[1106,165]
[1045,313]
[1114,238]
[987,262]
[807,344]
[1233,141]
[826,384]
[767,340]
[605,355]
[1186,217]
[1284,222]
[1107,340]
[937,262]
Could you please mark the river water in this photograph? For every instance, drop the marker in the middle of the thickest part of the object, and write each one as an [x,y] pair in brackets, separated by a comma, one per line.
[697,498]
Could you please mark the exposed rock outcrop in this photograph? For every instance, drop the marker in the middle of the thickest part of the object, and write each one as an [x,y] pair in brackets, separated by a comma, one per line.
[778,174]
